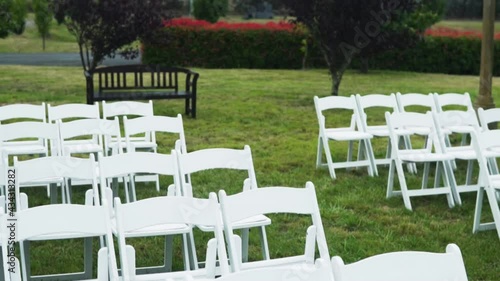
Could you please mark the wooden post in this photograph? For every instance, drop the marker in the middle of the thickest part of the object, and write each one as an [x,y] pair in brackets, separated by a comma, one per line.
[485,99]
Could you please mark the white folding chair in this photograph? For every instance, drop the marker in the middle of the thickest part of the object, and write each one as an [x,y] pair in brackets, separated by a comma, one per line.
[21,113]
[320,271]
[409,101]
[58,170]
[145,141]
[232,159]
[445,100]
[244,205]
[408,266]
[128,165]
[63,221]
[458,121]
[377,101]
[490,182]
[149,125]
[44,132]
[349,134]
[178,214]
[490,117]
[99,130]
[73,110]
[427,155]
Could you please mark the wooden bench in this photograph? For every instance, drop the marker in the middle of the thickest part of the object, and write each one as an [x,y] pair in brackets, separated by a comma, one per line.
[143,82]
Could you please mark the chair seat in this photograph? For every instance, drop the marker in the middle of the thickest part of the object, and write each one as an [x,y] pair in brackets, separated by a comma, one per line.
[138,144]
[424,156]
[379,130]
[82,147]
[157,230]
[460,129]
[19,149]
[346,134]
[259,220]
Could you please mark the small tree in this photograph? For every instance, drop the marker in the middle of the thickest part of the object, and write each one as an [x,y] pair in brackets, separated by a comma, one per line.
[210,10]
[12,17]
[104,27]
[43,18]
[344,29]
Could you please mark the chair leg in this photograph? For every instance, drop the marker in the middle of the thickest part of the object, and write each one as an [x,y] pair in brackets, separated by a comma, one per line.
[478,210]
[425,176]
[390,180]
[492,199]
[244,244]
[402,183]
[319,152]
[437,175]
[329,159]
[412,167]
[449,182]
[371,157]
[349,153]
[470,169]
[263,243]
[192,251]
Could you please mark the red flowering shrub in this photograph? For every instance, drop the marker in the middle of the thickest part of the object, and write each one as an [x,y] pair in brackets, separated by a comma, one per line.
[193,23]
[455,33]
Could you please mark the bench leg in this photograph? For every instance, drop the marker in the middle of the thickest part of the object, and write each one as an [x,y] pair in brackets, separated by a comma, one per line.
[193,107]
[187,108]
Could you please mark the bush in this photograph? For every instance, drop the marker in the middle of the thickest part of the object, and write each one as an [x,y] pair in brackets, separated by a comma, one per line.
[250,45]
[209,10]
[223,45]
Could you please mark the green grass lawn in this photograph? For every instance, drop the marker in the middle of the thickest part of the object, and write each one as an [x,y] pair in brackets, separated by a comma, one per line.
[273,112]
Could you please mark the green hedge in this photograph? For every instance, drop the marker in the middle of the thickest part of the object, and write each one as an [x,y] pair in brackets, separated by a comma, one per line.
[282,49]
[225,48]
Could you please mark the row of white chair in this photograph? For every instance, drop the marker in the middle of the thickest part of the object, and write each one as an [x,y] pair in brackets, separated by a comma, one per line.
[436,126]
[53,222]
[360,129]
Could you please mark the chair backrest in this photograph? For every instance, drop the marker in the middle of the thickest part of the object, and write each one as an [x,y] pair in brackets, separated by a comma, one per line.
[165,210]
[24,111]
[215,158]
[269,200]
[118,165]
[44,132]
[64,221]
[73,110]
[151,124]
[374,100]
[121,108]
[55,168]
[452,118]
[321,271]
[401,120]
[488,116]
[482,142]
[408,266]
[446,99]
[98,128]
[415,99]
[335,102]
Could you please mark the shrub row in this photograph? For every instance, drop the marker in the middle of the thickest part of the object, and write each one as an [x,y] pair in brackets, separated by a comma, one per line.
[193,44]
[220,46]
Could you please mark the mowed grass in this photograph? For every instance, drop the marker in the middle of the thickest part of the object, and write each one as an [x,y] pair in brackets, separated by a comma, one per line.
[273,112]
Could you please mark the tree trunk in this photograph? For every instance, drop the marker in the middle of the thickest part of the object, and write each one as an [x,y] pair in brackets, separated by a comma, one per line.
[43,42]
[485,99]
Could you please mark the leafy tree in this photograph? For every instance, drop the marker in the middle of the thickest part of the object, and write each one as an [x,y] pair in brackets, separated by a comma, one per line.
[107,27]
[43,18]
[210,10]
[345,29]
[12,17]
